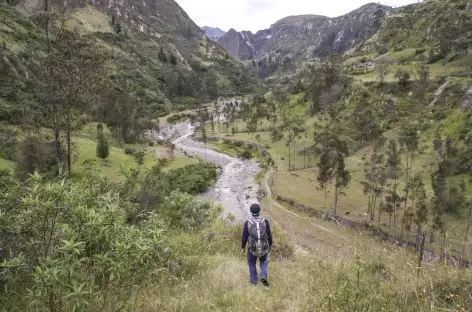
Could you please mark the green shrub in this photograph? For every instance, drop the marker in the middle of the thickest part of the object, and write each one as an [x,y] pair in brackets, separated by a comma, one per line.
[8,143]
[184,212]
[193,179]
[88,250]
[139,156]
[34,155]
[163,162]
[130,151]
[246,154]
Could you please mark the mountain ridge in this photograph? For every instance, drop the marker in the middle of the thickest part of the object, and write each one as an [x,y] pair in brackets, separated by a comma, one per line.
[309,35]
[214,33]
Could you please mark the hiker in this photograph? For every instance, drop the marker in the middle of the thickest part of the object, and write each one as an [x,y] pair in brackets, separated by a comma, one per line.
[258,236]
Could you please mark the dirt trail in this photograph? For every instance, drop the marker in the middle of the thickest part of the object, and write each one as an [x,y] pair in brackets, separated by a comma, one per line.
[236,188]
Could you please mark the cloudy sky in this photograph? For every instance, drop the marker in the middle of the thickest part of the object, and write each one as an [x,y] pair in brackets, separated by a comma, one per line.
[260,14]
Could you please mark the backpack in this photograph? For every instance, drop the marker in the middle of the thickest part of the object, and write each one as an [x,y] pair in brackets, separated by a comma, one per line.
[258,238]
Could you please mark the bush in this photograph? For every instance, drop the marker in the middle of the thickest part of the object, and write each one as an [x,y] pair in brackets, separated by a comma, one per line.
[151,144]
[246,154]
[8,143]
[184,212]
[163,162]
[139,156]
[130,151]
[238,144]
[90,248]
[420,51]
[35,155]
[193,179]
[403,77]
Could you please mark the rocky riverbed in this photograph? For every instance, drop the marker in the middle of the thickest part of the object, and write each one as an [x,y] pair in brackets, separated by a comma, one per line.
[236,188]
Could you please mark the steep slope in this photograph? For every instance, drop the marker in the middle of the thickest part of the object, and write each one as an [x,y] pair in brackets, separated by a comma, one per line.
[306,36]
[237,44]
[415,25]
[213,33]
[160,51]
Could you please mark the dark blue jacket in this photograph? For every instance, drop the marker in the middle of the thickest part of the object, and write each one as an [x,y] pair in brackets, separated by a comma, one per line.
[246,234]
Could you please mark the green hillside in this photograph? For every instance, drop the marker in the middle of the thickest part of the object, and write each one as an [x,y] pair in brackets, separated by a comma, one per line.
[365,158]
[163,77]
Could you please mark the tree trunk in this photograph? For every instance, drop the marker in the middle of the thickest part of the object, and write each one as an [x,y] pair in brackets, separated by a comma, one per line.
[374,206]
[443,246]
[289,158]
[325,195]
[446,62]
[403,227]
[421,249]
[380,208]
[394,194]
[419,231]
[69,130]
[431,235]
[304,156]
[69,161]
[335,205]
[52,98]
[466,235]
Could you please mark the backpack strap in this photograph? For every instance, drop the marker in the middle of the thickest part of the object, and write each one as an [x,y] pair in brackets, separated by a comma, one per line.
[258,224]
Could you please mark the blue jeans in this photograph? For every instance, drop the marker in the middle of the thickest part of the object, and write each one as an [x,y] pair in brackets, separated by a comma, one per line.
[252,262]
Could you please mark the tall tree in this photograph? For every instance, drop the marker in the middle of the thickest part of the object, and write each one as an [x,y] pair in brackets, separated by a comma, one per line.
[288,125]
[331,166]
[393,166]
[409,142]
[375,176]
[342,178]
[419,199]
[325,174]
[77,74]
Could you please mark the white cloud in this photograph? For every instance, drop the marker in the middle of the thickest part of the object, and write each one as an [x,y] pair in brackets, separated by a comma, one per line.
[260,14]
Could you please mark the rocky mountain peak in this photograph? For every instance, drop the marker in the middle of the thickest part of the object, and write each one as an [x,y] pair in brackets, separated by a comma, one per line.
[214,33]
[307,36]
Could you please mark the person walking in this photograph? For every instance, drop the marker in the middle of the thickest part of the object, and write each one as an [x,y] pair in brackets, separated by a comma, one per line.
[258,237]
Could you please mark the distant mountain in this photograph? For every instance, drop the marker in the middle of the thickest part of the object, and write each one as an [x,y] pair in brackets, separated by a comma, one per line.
[158,49]
[213,33]
[307,36]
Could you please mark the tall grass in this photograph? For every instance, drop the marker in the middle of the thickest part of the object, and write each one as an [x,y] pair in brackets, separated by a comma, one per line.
[375,278]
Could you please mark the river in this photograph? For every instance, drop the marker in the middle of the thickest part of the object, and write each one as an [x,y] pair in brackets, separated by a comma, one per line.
[236,188]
